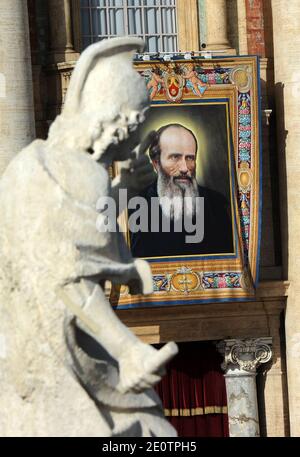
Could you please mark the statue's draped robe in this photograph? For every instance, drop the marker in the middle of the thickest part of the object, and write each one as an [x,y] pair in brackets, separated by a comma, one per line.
[49,239]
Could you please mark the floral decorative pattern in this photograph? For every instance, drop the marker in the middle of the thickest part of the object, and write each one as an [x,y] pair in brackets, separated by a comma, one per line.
[207,280]
[191,77]
[221,280]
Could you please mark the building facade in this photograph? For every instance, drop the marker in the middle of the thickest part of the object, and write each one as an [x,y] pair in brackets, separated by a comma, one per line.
[260,340]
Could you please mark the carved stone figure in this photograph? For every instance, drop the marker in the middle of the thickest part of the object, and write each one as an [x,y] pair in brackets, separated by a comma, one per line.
[68,366]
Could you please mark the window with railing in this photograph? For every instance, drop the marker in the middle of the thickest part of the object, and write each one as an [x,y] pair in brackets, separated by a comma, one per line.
[153,20]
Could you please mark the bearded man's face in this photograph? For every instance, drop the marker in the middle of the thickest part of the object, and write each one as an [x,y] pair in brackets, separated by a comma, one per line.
[176,169]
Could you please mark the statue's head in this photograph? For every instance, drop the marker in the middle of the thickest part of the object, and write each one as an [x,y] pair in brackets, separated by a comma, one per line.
[106,101]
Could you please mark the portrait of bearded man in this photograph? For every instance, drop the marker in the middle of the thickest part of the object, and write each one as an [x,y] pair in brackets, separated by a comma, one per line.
[174,156]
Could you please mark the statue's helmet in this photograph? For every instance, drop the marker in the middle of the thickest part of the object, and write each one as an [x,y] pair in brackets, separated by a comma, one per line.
[104,86]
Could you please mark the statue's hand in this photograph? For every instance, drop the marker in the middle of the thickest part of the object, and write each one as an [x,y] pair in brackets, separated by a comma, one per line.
[142,366]
[141,283]
[137,173]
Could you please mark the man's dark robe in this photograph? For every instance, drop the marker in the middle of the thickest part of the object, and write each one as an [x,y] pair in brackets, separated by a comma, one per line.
[218,238]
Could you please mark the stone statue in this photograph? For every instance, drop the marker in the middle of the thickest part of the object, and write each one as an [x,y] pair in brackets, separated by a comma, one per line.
[68,366]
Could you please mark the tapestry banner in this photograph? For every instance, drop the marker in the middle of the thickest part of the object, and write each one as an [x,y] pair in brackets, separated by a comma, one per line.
[206,113]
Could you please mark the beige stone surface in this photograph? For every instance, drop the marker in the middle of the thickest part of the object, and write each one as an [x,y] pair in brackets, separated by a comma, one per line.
[61,35]
[188,30]
[242,27]
[237,26]
[56,255]
[17,127]
[274,387]
[216,25]
[286,26]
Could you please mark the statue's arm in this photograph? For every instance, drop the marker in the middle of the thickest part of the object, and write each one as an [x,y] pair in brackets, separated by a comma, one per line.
[135,174]
[100,256]
[140,365]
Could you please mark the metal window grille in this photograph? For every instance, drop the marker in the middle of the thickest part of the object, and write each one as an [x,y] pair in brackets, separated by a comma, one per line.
[153,20]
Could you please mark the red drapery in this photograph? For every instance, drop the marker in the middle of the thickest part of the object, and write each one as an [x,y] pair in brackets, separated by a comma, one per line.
[193,392]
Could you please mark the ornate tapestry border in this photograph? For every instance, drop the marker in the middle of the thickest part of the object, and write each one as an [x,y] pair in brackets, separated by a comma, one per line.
[187,280]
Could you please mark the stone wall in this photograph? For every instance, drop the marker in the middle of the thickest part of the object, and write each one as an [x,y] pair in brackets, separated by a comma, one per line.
[17,128]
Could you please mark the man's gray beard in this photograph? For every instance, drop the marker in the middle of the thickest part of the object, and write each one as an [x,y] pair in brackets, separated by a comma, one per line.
[172,196]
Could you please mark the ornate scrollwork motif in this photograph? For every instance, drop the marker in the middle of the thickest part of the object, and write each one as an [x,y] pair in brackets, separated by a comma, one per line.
[247,354]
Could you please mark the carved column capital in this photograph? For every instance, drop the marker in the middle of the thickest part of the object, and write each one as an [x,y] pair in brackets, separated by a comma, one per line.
[247,354]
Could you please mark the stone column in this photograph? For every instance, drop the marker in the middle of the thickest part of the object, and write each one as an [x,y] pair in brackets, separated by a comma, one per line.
[241,358]
[188,34]
[216,25]
[61,36]
[286,36]
[242,27]
[17,127]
